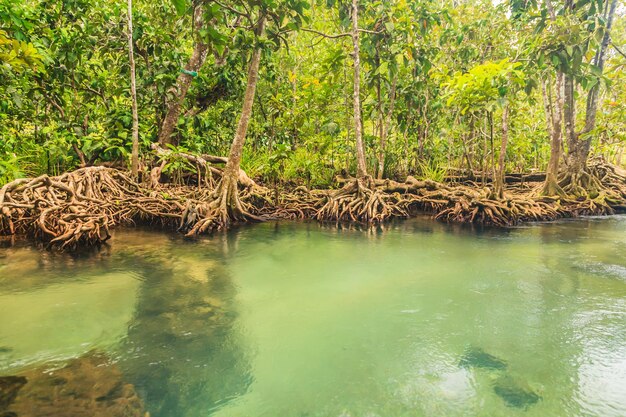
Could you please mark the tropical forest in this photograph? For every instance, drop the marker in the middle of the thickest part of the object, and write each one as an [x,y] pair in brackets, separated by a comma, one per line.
[290,208]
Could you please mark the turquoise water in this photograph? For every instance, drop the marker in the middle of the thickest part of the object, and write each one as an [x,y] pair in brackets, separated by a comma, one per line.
[289,319]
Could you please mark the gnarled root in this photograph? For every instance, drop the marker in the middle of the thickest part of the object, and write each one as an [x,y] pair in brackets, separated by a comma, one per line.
[507,212]
[221,208]
[358,201]
[600,188]
[301,203]
[77,208]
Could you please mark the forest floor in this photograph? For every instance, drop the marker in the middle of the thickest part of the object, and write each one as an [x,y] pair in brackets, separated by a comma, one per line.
[79,208]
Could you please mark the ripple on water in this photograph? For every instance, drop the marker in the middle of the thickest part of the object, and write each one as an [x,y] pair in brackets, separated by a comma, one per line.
[301,321]
[604,270]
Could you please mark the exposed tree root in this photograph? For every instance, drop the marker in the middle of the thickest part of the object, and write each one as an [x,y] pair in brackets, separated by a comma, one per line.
[79,208]
[222,207]
[598,189]
[207,172]
[299,204]
[359,201]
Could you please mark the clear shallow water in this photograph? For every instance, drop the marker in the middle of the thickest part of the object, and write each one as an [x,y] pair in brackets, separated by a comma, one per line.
[289,319]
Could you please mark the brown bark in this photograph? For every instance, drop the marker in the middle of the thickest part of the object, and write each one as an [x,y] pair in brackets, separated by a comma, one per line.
[234,159]
[385,122]
[569,120]
[225,206]
[361,171]
[133,92]
[580,143]
[577,180]
[553,110]
[405,136]
[183,82]
[554,118]
[499,180]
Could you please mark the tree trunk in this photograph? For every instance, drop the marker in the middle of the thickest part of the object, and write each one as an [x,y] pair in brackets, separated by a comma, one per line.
[405,136]
[381,133]
[553,111]
[575,161]
[133,92]
[426,123]
[183,82]
[385,124]
[361,171]
[579,147]
[499,180]
[599,59]
[579,143]
[231,171]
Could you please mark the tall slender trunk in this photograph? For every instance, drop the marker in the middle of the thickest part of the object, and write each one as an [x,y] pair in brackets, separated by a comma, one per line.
[492,150]
[554,118]
[405,136]
[426,122]
[183,82]
[361,170]
[133,92]
[231,170]
[381,117]
[385,124]
[575,159]
[499,180]
[553,110]
[466,153]
[347,112]
[580,143]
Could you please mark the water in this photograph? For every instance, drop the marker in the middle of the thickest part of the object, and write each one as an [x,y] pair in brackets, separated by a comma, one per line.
[421,319]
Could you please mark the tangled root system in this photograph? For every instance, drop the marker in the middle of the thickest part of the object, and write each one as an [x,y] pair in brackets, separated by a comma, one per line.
[79,208]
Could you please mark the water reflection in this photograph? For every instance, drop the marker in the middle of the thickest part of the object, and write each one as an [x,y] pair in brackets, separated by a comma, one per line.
[413,318]
[182,351]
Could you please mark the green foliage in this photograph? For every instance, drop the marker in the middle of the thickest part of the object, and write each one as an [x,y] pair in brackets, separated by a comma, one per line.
[306,167]
[18,55]
[180,6]
[64,83]
[432,171]
[485,86]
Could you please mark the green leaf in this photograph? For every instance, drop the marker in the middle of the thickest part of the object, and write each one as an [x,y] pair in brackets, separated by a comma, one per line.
[595,70]
[383,69]
[555,60]
[180,6]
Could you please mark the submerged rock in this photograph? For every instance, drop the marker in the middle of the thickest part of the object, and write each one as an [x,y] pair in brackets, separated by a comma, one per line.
[514,395]
[9,387]
[90,386]
[478,358]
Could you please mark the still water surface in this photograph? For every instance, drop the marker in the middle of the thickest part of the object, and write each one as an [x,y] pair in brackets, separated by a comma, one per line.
[295,320]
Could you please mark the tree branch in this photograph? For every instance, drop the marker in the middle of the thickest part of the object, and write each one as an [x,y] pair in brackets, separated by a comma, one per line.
[618,50]
[340,35]
[237,12]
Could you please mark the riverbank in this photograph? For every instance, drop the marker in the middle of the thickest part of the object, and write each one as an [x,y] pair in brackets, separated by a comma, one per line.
[79,208]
